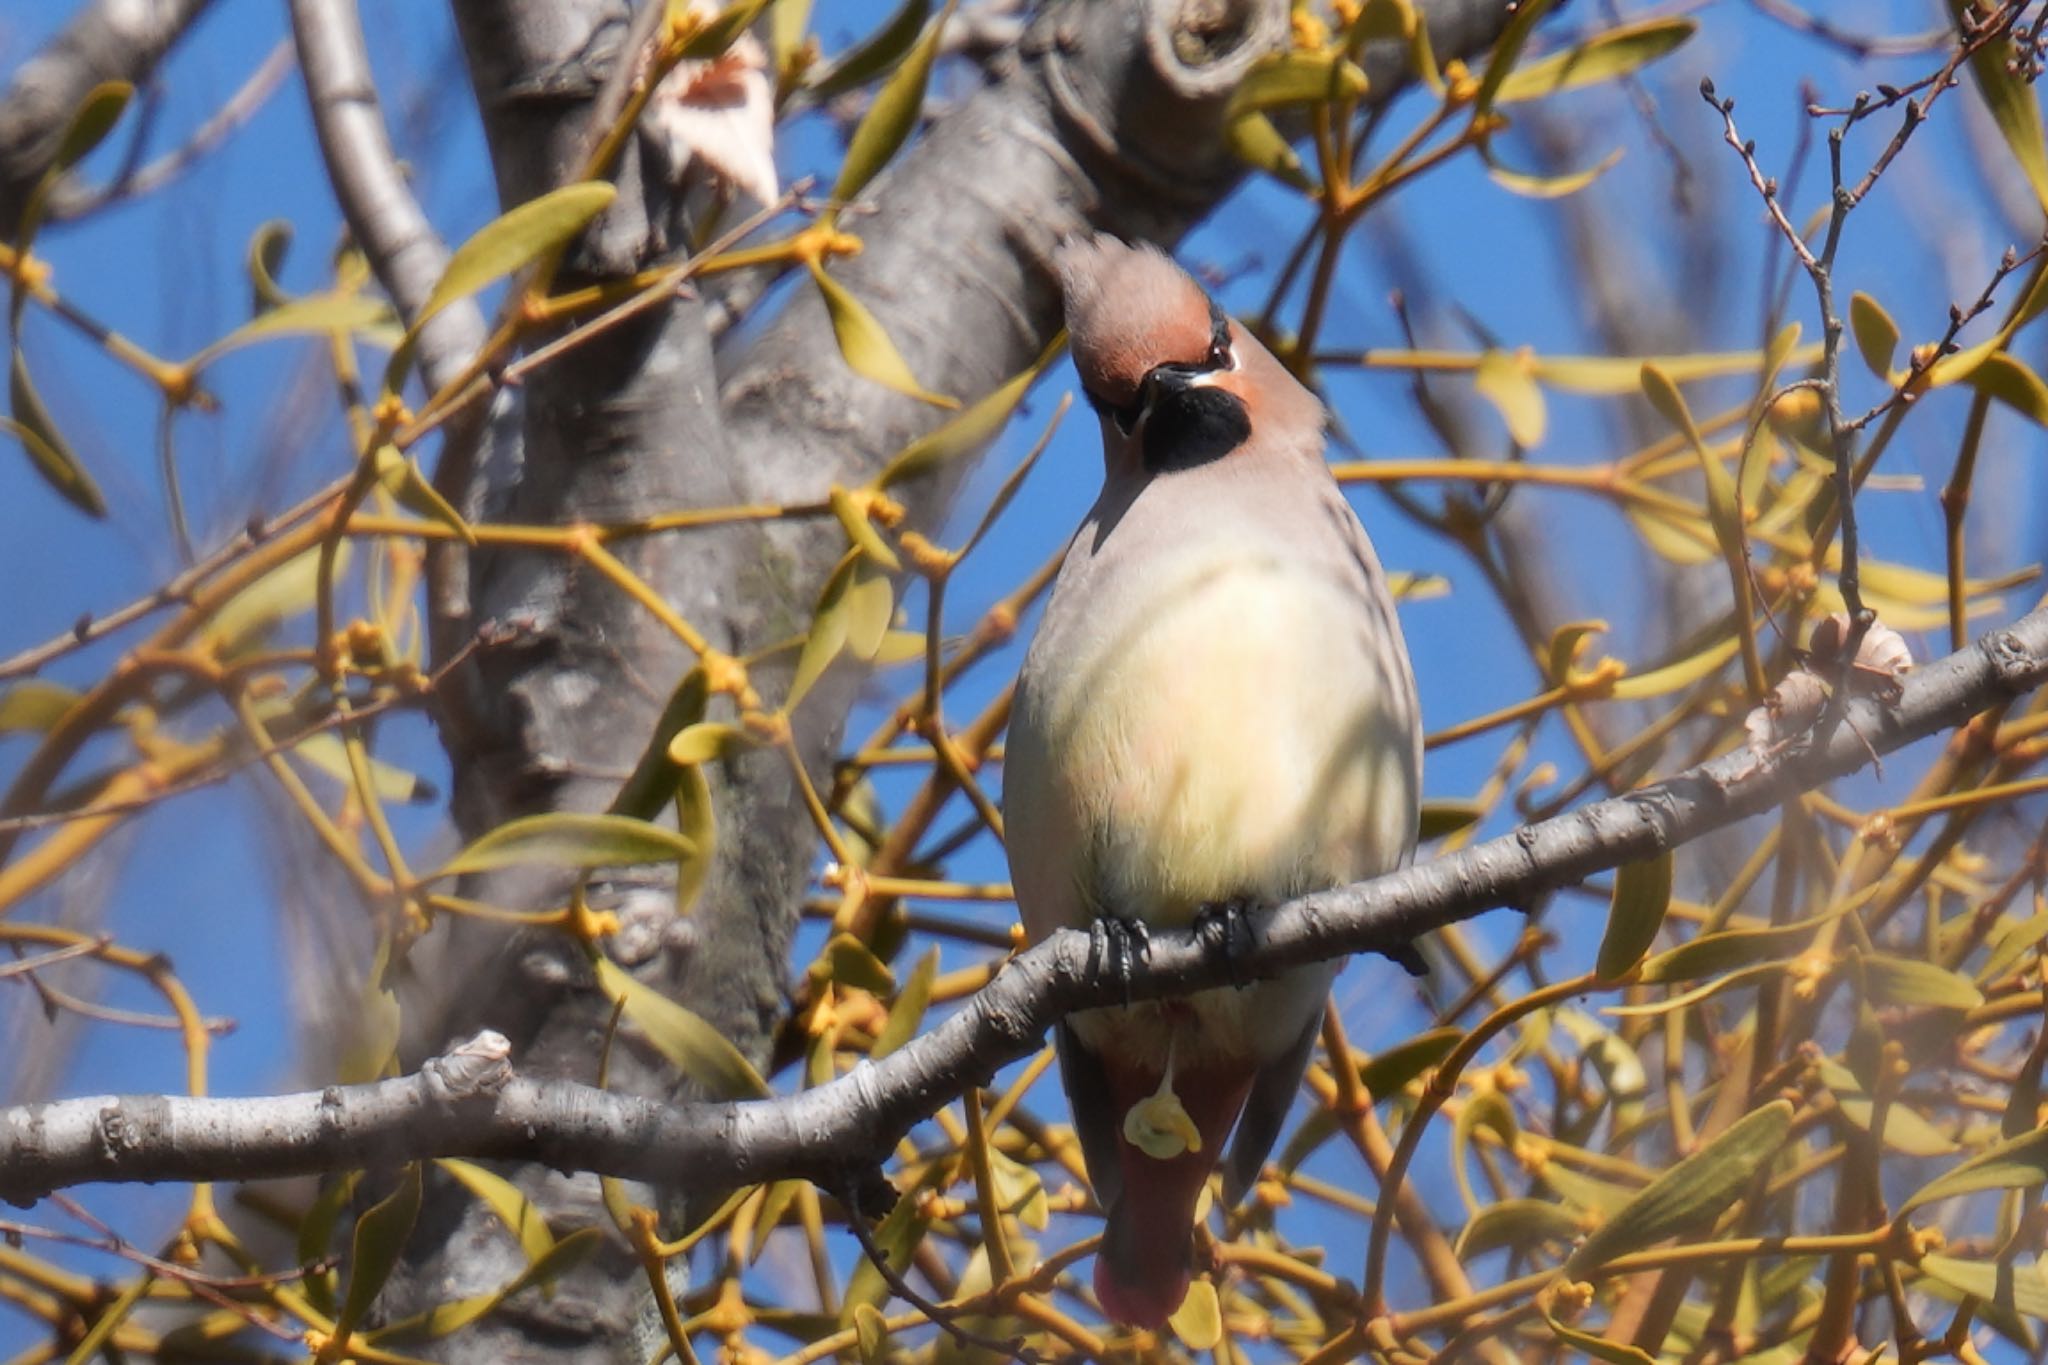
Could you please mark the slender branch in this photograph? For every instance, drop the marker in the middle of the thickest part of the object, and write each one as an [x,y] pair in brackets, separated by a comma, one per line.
[383,216]
[136,181]
[472,1103]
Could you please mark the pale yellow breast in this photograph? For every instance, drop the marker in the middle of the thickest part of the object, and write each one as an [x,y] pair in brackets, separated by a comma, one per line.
[1234,739]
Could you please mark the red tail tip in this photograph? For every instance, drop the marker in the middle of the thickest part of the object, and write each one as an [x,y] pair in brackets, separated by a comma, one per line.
[1144,1302]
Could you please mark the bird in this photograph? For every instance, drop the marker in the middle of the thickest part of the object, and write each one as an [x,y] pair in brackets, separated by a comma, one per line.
[1217,712]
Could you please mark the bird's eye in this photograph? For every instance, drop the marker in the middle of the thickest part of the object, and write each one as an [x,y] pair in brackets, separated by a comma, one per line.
[1221,356]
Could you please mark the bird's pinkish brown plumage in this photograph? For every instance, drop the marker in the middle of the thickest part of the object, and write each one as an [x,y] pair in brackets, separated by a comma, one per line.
[1217,707]
[1128,309]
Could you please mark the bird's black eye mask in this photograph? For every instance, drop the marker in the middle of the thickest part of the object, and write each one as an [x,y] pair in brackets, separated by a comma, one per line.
[1126,416]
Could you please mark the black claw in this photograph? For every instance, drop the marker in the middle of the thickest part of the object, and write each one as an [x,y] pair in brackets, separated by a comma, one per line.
[1407,958]
[1225,929]
[1118,943]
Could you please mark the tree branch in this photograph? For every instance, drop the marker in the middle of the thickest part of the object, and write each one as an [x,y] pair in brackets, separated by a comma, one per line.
[107,40]
[473,1104]
[406,253]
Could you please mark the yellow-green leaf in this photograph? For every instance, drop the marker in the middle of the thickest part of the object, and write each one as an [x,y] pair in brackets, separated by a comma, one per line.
[1198,1322]
[860,528]
[1603,57]
[899,646]
[654,777]
[445,1318]
[896,1237]
[1018,1191]
[2011,100]
[889,119]
[94,118]
[866,346]
[32,425]
[1623,374]
[1388,1073]
[247,618]
[871,1332]
[569,839]
[380,1238]
[1503,379]
[1518,1224]
[314,315]
[908,1010]
[878,53]
[1298,77]
[691,1044]
[1255,139]
[851,963]
[1696,1189]
[2012,382]
[401,478]
[1678,540]
[775,1202]
[1657,682]
[719,32]
[1485,1109]
[1531,186]
[90,123]
[1719,984]
[2008,943]
[971,430]
[704,742]
[267,248]
[33,705]
[2008,1285]
[2015,1164]
[504,1199]
[1877,336]
[1727,949]
[324,750]
[1914,982]
[1381,20]
[853,615]
[1598,1347]
[1507,50]
[1442,818]
[515,240]
[1905,1128]
[1635,913]
[1589,1192]
[1616,1063]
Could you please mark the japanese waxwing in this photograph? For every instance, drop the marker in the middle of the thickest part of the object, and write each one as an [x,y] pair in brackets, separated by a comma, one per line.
[1216,714]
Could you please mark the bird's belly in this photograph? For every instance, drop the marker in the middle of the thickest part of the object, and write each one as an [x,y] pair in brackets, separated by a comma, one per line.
[1242,745]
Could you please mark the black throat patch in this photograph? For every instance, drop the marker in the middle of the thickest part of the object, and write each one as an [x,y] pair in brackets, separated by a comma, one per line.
[1192,426]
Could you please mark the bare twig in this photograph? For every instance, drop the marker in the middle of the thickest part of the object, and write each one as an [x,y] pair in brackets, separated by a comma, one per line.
[1819,266]
[134,182]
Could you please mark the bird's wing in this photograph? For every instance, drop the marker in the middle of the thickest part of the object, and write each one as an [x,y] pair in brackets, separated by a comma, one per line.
[1097,1118]
[1265,1110]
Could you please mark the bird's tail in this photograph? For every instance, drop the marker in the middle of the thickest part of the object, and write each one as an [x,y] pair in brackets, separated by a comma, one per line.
[1141,1273]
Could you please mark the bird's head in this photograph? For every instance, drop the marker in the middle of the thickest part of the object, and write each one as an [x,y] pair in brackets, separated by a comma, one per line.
[1175,381]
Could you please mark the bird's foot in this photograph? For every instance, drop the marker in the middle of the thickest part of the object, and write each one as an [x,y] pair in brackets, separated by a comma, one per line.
[1224,929]
[1118,943]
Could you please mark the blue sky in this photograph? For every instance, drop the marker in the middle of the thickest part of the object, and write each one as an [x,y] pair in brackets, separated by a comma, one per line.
[200,878]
